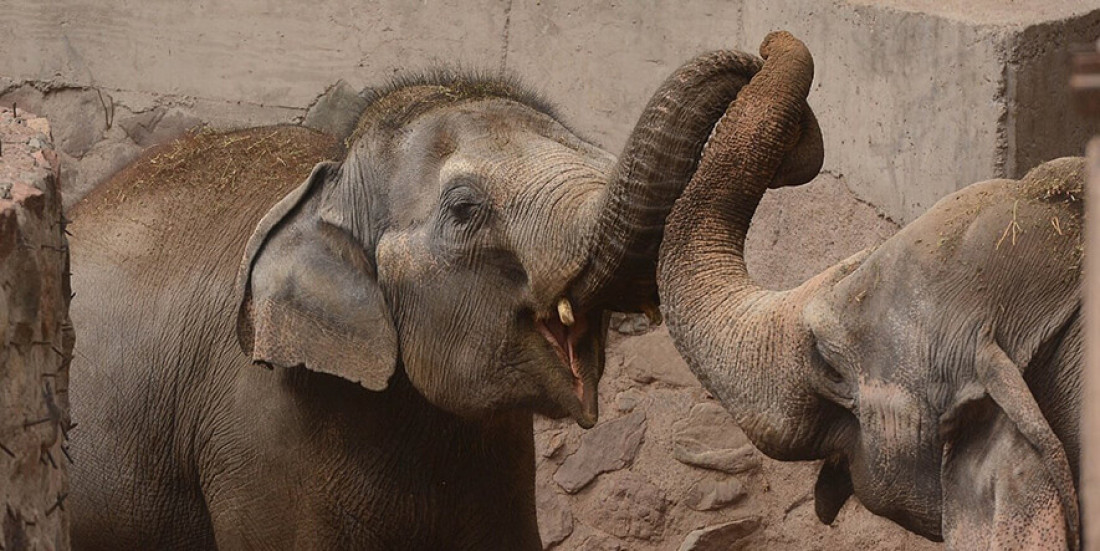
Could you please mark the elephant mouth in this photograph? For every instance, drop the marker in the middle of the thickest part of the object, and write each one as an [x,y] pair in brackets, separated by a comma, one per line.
[568,336]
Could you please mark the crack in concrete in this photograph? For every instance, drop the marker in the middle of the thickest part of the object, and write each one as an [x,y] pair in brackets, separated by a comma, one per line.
[840,177]
[504,37]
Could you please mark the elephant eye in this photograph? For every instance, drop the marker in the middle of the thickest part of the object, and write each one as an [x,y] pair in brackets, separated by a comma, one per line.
[464,212]
[835,387]
[464,205]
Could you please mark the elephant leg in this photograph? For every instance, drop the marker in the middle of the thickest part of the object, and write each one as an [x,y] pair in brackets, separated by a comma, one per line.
[125,492]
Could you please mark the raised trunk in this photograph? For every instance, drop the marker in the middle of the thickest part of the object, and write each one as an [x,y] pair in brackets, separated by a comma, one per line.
[657,162]
[746,344]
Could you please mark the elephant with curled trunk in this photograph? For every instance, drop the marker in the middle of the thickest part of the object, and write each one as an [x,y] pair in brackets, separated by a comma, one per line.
[937,375]
[417,300]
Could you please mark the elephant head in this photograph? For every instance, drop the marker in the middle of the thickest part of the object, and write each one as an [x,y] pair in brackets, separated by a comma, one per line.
[900,366]
[474,242]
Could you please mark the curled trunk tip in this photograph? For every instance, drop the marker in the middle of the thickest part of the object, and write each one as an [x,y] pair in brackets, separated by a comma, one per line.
[659,159]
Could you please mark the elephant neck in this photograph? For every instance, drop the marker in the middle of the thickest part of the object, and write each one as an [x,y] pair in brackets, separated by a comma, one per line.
[449,478]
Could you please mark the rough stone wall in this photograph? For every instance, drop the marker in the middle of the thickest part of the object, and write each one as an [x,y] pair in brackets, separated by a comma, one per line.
[36,339]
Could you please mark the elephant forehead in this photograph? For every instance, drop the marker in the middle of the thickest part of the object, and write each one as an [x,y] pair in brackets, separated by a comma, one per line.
[545,194]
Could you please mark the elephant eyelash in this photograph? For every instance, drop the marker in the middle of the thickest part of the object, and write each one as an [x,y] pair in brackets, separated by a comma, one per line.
[464,212]
[834,387]
[830,371]
[464,205]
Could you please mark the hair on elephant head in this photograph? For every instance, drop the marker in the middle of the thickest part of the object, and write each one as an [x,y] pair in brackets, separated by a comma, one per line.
[938,374]
[474,241]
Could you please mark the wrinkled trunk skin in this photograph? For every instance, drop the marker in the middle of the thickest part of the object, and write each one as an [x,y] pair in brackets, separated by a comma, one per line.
[659,158]
[747,345]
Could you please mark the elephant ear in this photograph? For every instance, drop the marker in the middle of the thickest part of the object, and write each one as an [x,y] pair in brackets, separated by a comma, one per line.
[1006,479]
[309,295]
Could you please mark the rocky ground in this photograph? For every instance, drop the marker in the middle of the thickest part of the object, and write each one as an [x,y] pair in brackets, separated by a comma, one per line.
[666,468]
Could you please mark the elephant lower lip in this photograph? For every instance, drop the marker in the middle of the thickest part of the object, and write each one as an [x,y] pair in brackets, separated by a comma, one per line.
[564,341]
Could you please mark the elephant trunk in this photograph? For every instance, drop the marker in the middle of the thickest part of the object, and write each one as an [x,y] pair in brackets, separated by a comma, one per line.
[659,158]
[746,344]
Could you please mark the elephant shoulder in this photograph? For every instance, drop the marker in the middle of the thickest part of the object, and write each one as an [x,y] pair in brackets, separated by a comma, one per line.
[198,190]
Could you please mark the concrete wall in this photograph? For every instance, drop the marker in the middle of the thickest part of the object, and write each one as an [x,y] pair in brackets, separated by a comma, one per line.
[917,97]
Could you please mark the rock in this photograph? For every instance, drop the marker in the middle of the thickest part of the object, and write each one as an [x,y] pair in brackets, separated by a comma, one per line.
[549,443]
[722,537]
[630,506]
[601,543]
[79,118]
[653,358]
[709,495]
[629,399]
[709,438]
[631,324]
[78,177]
[337,111]
[40,125]
[158,125]
[607,447]
[555,518]
[736,461]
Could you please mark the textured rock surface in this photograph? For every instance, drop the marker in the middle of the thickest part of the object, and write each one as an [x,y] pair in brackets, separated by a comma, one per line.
[607,447]
[708,438]
[555,518]
[630,507]
[723,537]
[708,495]
[36,339]
[672,372]
[336,111]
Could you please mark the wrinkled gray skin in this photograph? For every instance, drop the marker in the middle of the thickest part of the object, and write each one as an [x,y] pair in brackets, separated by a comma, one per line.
[938,374]
[404,297]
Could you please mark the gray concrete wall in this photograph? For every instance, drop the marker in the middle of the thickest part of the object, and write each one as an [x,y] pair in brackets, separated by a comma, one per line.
[917,97]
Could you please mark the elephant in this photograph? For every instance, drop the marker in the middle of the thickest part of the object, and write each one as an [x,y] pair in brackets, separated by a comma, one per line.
[937,375]
[432,282]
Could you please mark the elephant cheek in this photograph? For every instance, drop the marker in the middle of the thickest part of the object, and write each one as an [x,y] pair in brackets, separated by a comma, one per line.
[896,472]
[403,266]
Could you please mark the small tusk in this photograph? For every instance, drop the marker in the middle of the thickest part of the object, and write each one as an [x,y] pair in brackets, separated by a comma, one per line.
[652,313]
[565,312]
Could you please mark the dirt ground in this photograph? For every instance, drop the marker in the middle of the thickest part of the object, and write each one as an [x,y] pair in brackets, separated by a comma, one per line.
[625,485]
